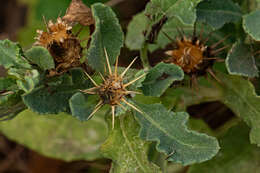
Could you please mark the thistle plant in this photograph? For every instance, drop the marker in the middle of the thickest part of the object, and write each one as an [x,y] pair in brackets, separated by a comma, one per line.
[147,107]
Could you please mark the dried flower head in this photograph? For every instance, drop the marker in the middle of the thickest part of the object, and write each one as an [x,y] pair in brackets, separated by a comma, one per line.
[192,54]
[78,12]
[64,47]
[113,90]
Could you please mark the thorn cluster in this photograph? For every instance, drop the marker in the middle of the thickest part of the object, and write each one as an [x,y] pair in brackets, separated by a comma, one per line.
[64,47]
[112,91]
[192,54]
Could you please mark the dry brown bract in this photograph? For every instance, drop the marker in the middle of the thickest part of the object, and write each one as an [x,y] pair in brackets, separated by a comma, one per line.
[64,47]
[112,91]
[78,12]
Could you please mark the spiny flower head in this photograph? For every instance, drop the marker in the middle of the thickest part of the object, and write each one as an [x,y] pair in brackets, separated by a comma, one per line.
[62,44]
[56,32]
[113,90]
[192,54]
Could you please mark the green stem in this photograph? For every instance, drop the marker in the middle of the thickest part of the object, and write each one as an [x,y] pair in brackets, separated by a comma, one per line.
[144,56]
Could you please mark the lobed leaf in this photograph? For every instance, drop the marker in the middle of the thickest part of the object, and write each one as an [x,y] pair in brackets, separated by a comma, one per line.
[217,13]
[60,136]
[126,149]
[41,57]
[54,98]
[173,137]
[251,24]
[236,154]
[235,92]
[11,55]
[108,34]
[239,95]
[240,61]
[160,77]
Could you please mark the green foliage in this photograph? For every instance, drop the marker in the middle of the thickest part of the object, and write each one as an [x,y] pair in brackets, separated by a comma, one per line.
[239,95]
[236,154]
[80,106]
[108,35]
[6,83]
[251,24]
[160,77]
[183,10]
[40,56]
[173,137]
[240,61]
[11,55]
[126,149]
[30,84]
[53,98]
[58,136]
[135,35]
[217,13]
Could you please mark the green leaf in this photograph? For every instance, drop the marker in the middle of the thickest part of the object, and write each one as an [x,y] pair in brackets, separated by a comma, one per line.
[239,95]
[160,77]
[52,99]
[81,106]
[135,31]
[27,79]
[236,93]
[236,154]
[126,149]
[108,34]
[173,137]
[183,10]
[11,55]
[60,136]
[10,105]
[240,61]
[6,83]
[251,24]
[41,57]
[218,12]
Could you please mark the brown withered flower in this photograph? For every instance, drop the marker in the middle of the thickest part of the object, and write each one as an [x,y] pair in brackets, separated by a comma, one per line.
[78,12]
[64,47]
[113,90]
[193,55]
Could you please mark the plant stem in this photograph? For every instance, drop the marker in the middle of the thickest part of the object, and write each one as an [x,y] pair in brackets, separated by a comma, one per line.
[144,56]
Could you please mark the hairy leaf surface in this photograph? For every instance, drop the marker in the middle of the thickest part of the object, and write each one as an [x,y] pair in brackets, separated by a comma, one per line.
[217,13]
[126,149]
[251,24]
[173,137]
[240,61]
[108,34]
[54,98]
[160,77]
[60,136]
[236,154]
[11,55]
[41,57]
